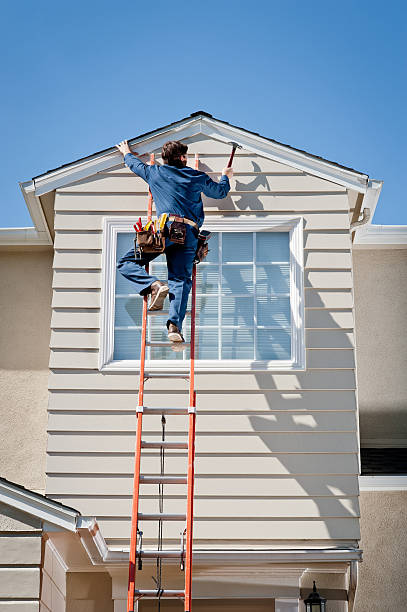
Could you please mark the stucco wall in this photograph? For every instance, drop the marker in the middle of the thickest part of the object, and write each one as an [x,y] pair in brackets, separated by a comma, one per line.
[382,581]
[380,278]
[25,299]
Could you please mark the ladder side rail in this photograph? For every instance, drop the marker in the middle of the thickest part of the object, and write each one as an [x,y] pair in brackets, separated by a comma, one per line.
[191,447]
[137,453]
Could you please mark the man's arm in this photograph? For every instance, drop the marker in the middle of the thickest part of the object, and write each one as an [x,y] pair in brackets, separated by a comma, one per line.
[218,190]
[133,162]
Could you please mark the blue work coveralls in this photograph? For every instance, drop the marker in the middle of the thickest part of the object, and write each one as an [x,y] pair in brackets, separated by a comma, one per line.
[176,191]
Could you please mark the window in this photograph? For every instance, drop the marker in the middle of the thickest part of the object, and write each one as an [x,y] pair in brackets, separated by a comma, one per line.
[249,300]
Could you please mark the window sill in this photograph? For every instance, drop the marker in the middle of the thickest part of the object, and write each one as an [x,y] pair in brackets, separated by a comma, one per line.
[203,366]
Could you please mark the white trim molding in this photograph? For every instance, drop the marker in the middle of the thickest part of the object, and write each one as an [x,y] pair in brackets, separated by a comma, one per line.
[45,509]
[383,483]
[112,226]
[213,128]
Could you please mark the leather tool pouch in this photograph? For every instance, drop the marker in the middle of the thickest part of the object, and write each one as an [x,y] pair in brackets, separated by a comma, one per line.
[148,242]
[202,248]
[178,232]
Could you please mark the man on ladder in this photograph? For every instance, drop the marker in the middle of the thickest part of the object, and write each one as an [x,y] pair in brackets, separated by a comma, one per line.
[176,190]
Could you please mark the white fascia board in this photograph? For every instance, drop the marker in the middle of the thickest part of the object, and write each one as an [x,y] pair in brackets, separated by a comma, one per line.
[383,483]
[15,236]
[42,508]
[92,539]
[213,129]
[285,155]
[104,161]
[42,235]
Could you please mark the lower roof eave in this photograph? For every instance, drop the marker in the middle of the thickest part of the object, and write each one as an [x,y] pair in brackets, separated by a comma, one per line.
[246,556]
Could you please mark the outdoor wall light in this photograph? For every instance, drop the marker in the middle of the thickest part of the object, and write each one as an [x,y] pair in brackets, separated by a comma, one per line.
[314,602]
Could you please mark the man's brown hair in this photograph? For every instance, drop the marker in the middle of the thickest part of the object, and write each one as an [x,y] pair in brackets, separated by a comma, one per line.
[172,151]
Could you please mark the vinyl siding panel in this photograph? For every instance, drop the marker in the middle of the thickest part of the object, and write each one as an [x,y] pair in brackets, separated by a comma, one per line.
[287,440]
[214,402]
[130,183]
[280,465]
[223,485]
[93,221]
[89,359]
[112,381]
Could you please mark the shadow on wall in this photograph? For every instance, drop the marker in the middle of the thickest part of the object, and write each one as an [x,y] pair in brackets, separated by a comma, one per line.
[246,202]
[329,499]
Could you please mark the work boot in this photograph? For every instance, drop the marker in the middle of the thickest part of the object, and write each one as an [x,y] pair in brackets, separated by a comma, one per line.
[159,292]
[174,334]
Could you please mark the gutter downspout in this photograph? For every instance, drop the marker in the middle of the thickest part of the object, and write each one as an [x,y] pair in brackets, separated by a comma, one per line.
[353,584]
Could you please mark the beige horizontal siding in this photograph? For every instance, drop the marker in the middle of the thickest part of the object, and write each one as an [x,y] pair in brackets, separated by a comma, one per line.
[232,506]
[258,529]
[282,464]
[328,319]
[83,318]
[265,486]
[86,259]
[78,259]
[295,381]
[326,259]
[20,550]
[75,318]
[217,424]
[326,240]
[22,580]
[315,298]
[234,401]
[312,220]
[136,203]
[83,298]
[326,339]
[301,441]
[77,280]
[287,440]
[72,239]
[131,183]
[74,339]
[216,162]
[328,280]
[78,240]
[327,359]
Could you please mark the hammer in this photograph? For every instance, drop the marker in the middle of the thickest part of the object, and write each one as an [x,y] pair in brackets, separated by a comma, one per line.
[235,146]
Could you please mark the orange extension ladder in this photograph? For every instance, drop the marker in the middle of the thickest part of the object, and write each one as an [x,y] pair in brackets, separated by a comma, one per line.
[136,552]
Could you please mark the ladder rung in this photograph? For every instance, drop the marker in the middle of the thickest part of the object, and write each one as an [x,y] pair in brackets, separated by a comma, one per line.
[147,410]
[163,554]
[163,593]
[168,375]
[163,479]
[166,444]
[157,313]
[167,343]
[162,516]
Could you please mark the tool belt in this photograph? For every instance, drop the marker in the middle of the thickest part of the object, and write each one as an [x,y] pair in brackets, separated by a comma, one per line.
[149,242]
[178,230]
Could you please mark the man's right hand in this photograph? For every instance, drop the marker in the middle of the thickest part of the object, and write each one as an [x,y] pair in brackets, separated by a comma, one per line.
[227,172]
[123,147]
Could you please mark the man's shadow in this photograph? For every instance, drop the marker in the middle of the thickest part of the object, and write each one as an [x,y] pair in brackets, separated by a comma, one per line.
[245,202]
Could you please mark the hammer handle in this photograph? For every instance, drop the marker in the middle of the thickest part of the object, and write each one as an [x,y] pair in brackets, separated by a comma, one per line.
[231,158]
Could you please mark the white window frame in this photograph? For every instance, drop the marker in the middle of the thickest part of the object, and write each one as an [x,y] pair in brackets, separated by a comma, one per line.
[294,225]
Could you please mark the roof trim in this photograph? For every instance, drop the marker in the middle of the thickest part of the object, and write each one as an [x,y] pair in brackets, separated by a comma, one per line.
[202,123]
[381,237]
[38,505]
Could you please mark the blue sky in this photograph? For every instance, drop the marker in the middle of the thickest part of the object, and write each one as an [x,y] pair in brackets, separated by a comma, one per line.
[326,77]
